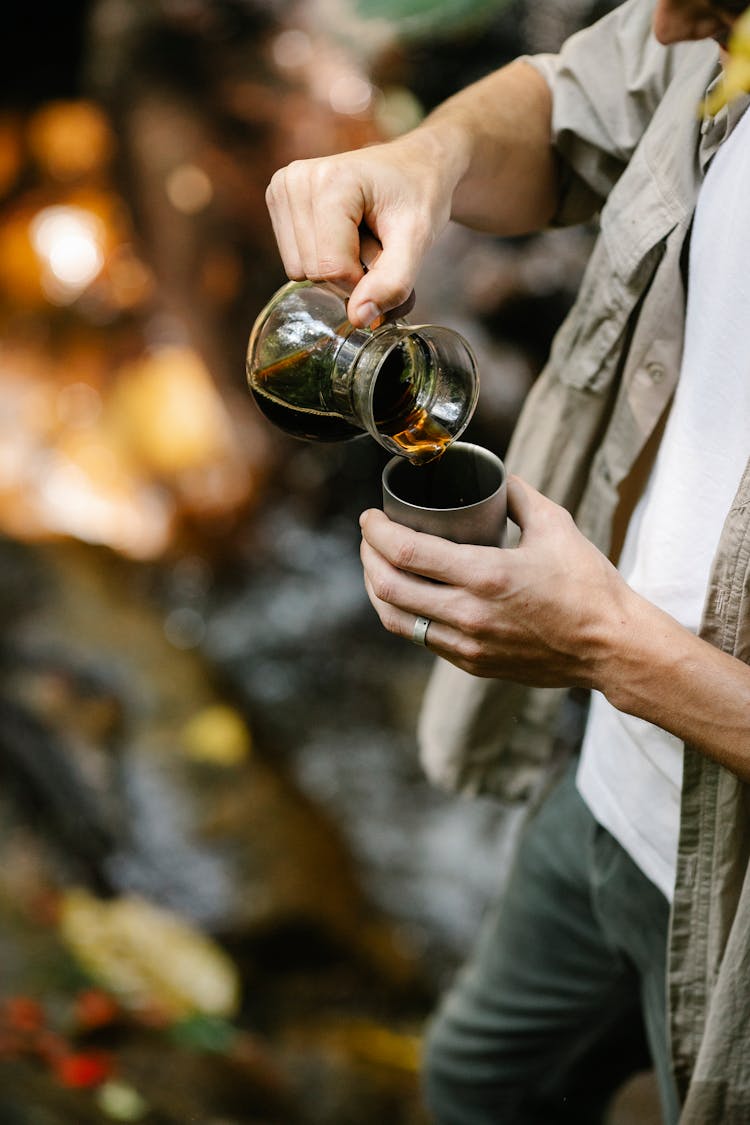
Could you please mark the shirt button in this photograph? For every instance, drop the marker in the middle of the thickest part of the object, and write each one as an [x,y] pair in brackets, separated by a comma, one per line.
[656,371]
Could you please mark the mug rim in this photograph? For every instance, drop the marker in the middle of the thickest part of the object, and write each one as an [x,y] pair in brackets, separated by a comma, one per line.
[395,462]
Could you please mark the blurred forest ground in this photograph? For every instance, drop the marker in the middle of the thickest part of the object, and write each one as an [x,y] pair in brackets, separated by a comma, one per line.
[226,893]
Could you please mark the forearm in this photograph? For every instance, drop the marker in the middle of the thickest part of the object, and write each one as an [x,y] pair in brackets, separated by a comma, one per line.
[666,675]
[495,137]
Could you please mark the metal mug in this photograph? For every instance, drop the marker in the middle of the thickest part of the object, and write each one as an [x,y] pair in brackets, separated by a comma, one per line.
[460,496]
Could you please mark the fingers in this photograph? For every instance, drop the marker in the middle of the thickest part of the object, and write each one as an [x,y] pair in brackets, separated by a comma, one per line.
[400,622]
[441,638]
[317,238]
[524,503]
[283,229]
[534,513]
[457,615]
[402,591]
[520,504]
[425,555]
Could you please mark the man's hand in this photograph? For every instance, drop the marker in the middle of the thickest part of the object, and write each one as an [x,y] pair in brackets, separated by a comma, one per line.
[483,158]
[554,612]
[548,612]
[326,211]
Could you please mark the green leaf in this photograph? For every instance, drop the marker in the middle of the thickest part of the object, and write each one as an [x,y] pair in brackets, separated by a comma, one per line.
[434,16]
[204,1033]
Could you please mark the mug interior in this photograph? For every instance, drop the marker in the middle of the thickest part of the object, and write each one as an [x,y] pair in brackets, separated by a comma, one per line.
[465,474]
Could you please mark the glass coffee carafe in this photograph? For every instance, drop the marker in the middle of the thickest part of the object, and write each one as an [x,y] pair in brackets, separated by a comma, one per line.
[411,387]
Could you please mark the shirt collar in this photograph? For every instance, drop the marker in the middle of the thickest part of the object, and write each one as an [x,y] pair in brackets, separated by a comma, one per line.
[716,129]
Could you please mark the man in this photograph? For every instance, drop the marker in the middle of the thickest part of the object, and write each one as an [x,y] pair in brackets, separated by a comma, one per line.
[638,427]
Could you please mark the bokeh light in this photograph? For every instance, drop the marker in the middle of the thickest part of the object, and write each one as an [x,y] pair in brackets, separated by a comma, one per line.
[70,244]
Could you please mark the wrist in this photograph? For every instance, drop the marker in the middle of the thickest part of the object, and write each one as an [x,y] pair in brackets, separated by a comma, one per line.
[641,647]
[445,141]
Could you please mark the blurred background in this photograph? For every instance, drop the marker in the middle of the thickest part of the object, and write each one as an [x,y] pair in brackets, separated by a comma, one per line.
[227,895]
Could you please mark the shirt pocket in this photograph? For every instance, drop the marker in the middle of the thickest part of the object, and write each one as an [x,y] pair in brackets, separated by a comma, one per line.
[635,224]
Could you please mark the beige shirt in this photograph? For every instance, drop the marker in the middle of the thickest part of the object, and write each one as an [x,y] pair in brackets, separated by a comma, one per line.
[631,145]
[630,772]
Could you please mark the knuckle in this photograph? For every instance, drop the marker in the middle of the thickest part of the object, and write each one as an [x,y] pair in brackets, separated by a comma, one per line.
[568,522]
[489,586]
[296,169]
[275,183]
[330,269]
[557,517]
[485,582]
[404,555]
[279,181]
[382,589]
[328,178]
[294,179]
[471,651]
[562,515]
[470,618]
[322,175]
[389,620]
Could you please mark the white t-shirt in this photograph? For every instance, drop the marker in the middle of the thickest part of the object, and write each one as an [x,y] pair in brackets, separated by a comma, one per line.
[630,773]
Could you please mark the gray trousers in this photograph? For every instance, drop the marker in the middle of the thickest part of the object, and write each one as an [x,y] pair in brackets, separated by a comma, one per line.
[565,994]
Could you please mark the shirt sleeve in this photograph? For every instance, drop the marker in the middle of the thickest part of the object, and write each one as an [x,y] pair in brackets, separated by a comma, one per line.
[606,83]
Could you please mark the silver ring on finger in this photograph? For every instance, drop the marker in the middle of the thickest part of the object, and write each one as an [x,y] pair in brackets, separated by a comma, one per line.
[419,633]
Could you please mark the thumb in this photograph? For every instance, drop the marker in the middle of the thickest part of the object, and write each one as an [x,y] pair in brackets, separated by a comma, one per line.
[525,504]
[389,281]
[370,250]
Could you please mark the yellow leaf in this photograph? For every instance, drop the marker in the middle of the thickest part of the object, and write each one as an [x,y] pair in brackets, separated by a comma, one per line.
[736,77]
[374,1044]
[217,734]
[148,957]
